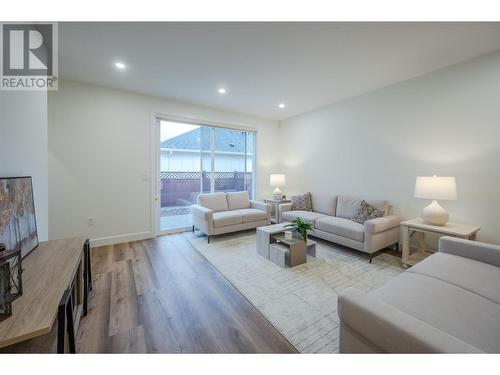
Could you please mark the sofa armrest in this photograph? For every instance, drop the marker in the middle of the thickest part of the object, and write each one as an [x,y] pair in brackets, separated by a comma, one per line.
[393,330]
[284,207]
[261,206]
[381,224]
[202,212]
[480,251]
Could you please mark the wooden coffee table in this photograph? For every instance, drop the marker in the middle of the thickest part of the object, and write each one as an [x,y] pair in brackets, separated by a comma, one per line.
[272,245]
[292,252]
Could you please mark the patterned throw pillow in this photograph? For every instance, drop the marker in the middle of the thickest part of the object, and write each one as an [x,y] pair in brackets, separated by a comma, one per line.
[302,202]
[366,212]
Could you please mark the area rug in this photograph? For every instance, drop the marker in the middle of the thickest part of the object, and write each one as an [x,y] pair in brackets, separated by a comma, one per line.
[300,302]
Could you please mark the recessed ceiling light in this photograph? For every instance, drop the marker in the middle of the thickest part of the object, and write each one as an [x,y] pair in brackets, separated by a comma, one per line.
[222,90]
[120,65]
[281,105]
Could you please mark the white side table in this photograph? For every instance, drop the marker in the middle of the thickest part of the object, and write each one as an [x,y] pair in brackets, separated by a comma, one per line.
[276,202]
[417,225]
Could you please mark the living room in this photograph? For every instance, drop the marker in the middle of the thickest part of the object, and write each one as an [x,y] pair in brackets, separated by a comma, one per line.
[250,187]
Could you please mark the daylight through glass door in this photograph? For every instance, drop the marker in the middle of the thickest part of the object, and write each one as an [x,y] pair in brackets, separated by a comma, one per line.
[196,159]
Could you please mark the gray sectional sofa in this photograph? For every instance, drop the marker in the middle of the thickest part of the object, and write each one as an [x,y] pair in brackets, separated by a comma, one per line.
[331,216]
[448,303]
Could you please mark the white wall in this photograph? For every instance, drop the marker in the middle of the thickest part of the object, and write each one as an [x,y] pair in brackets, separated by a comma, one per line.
[100,153]
[23,145]
[373,146]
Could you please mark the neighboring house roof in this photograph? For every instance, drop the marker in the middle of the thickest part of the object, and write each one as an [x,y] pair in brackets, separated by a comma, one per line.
[199,139]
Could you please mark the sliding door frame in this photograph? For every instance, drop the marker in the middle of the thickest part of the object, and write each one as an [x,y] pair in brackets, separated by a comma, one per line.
[155,197]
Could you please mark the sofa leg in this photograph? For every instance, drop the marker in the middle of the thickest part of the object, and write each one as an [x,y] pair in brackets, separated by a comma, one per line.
[370,258]
[193,228]
[397,246]
[208,239]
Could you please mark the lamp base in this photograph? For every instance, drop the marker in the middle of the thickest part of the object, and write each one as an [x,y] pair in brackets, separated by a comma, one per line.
[277,194]
[434,214]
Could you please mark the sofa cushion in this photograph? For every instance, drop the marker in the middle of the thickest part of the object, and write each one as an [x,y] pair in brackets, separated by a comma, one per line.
[215,201]
[341,227]
[477,277]
[302,202]
[250,215]
[225,218]
[454,310]
[308,216]
[366,212]
[237,200]
[480,251]
[324,203]
[348,207]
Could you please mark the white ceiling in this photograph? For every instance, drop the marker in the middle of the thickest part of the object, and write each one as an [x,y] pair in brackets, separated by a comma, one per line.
[305,65]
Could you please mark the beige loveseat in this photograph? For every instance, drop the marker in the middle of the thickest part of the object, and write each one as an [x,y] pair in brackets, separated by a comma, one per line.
[219,213]
[331,216]
[447,303]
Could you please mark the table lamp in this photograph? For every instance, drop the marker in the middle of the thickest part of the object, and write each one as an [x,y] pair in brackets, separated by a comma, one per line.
[435,188]
[277,181]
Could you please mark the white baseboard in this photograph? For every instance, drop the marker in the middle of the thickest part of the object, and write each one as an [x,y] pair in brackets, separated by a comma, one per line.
[113,240]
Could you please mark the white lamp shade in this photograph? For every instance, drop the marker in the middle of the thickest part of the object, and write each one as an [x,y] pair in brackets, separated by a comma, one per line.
[277,180]
[436,188]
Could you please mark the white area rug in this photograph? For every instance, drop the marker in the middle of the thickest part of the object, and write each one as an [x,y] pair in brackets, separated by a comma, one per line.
[301,302]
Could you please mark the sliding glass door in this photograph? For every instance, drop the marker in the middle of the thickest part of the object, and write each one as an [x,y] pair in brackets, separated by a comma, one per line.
[198,159]
[233,160]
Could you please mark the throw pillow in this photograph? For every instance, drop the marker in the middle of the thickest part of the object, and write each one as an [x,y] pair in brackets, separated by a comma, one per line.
[366,212]
[302,202]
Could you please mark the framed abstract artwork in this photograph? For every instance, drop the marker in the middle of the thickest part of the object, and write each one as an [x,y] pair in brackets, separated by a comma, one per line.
[17,214]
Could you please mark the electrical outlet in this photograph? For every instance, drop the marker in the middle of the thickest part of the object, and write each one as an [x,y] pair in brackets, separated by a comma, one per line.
[90,221]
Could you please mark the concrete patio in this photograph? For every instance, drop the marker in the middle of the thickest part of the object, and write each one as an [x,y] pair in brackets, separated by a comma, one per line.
[175,217]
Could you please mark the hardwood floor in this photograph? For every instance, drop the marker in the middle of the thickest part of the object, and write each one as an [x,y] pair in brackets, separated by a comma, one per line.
[162,296]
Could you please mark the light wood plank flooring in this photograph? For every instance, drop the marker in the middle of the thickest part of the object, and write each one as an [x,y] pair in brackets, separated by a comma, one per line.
[162,296]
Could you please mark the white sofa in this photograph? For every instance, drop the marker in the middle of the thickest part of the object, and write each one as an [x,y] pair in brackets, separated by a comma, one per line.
[219,213]
[448,303]
[331,215]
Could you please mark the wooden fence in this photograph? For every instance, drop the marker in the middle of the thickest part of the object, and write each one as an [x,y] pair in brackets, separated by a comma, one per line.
[182,188]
